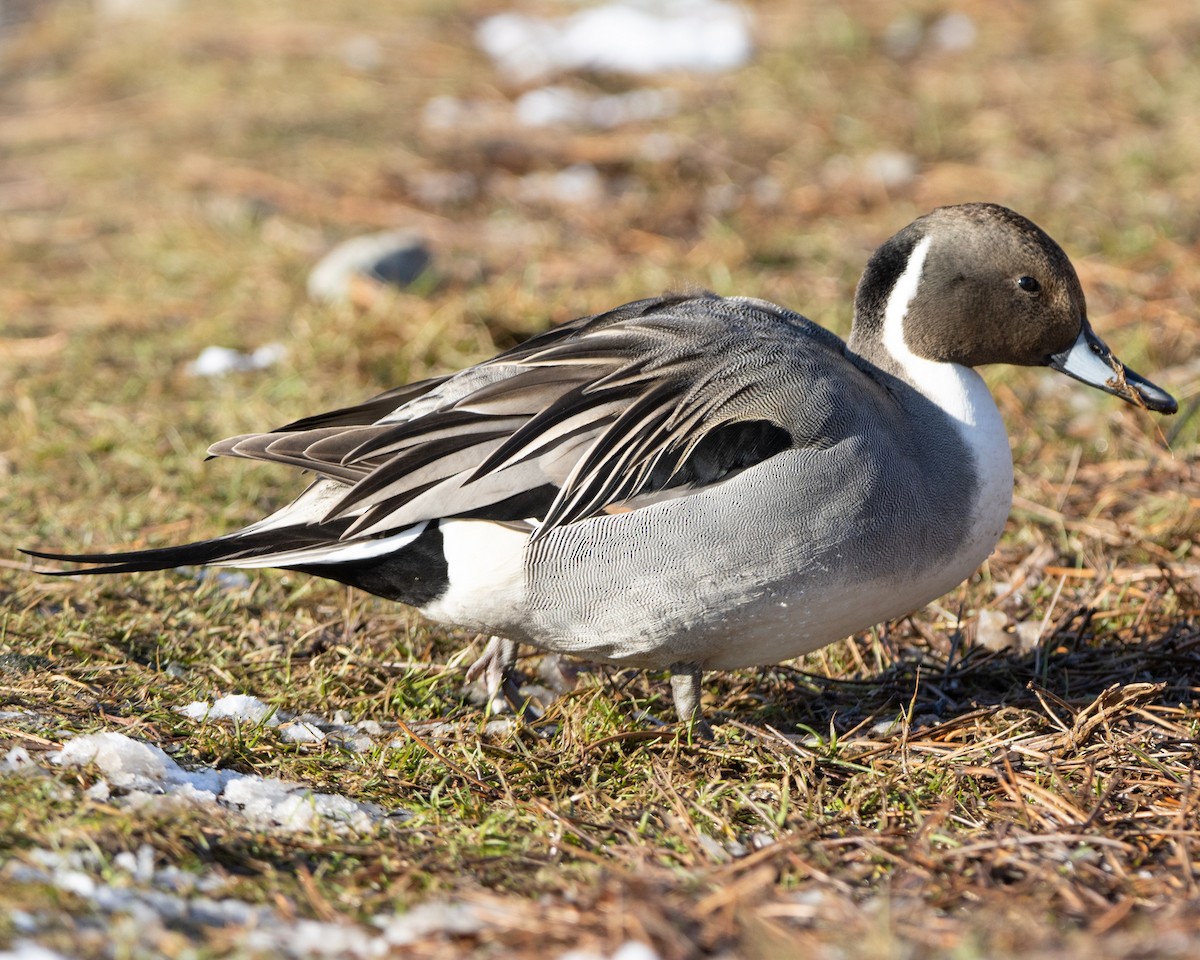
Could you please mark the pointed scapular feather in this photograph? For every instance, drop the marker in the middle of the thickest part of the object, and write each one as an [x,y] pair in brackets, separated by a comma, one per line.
[525,392]
[261,446]
[599,472]
[369,411]
[437,459]
[407,433]
[336,446]
[557,420]
[451,497]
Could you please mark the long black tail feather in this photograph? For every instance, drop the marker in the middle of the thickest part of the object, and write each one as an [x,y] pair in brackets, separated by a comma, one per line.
[227,549]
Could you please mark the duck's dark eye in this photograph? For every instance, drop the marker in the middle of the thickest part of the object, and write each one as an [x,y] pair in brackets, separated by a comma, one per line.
[1029,284]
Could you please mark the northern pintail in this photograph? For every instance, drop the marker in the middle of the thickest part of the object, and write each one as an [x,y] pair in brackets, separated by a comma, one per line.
[691,482]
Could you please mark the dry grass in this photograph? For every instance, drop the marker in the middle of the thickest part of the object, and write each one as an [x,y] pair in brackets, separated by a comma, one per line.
[1017,783]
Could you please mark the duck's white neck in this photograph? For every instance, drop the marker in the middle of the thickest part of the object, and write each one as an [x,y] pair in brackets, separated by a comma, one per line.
[959,392]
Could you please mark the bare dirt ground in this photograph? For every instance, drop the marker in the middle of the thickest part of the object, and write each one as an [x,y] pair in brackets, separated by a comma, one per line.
[1011,772]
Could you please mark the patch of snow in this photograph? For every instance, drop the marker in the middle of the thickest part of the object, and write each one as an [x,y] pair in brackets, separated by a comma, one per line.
[548,106]
[713,848]
[17,758]
[23,921]
[578,184]
[306,728]
[887,728]
[138,865]
[239,707]
[157,897]
[99,791]
[423,920]
[302,732]
[890,169]
[227,580]
[630,950]
[445,112]
[633,36]
[441,729]
[151,777]
[218,361]
[293,807]
[261,800]
[126,762]
[135,9]
[636,950]
[28,950]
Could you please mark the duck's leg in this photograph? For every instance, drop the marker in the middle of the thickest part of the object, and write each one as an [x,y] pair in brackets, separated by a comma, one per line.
[685,691]
[496,665]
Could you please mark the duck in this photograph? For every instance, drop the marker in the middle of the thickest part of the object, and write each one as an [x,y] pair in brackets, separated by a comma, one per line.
[689,482]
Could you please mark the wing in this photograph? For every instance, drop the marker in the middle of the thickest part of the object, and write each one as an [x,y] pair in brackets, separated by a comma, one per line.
[654,399]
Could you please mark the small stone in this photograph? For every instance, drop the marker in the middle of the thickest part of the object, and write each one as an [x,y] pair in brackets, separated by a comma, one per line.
[953,33]
[886,728]
[439,188]
[715,850]
[767,192]
[396,258]
[991,632]
[902,38]
[891,168]
[559,673]
[736,849]
[1029,635]
[362,53]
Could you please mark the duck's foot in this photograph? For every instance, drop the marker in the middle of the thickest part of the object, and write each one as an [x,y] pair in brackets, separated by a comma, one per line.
[685,691]
[497,668]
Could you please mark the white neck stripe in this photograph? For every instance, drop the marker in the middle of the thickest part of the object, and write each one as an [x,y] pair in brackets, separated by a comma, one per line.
[958,390]
[900,299]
